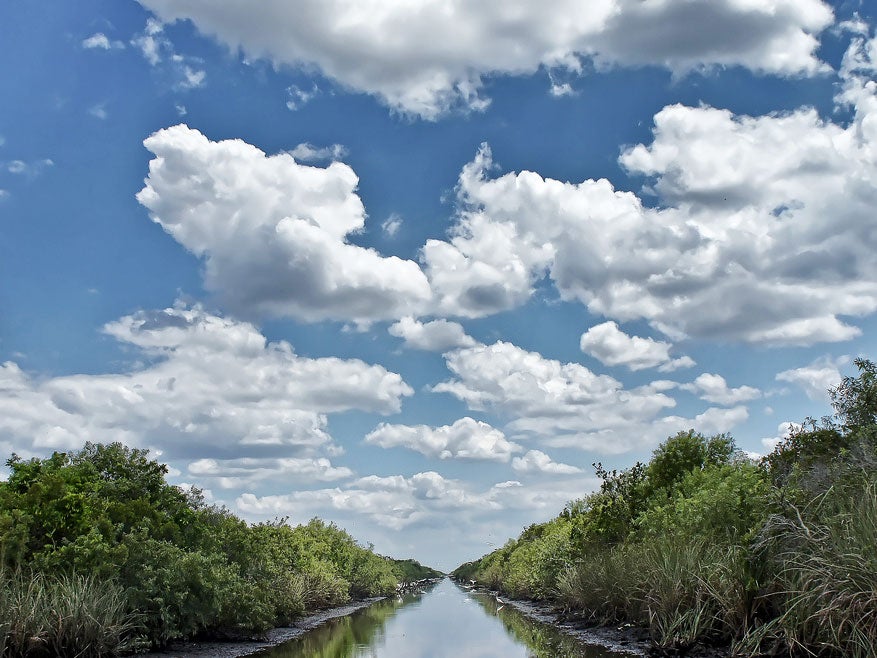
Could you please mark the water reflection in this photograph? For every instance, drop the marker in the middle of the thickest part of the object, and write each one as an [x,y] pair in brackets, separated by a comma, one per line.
[444,622]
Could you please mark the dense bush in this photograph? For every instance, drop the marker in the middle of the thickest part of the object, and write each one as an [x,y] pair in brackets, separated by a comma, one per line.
[105,538]
[703,545]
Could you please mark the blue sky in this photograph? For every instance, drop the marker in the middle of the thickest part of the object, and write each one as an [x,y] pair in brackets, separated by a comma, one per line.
[414,266]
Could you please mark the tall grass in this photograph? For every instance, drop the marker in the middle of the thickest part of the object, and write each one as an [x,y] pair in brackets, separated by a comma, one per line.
[684,592]
[602,586]
[826,589]
[69,615]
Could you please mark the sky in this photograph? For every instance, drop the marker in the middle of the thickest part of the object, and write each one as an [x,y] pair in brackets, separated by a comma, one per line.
[414,266]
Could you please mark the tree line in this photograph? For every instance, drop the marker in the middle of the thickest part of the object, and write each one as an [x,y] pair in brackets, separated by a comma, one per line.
[99,555]
[704,546]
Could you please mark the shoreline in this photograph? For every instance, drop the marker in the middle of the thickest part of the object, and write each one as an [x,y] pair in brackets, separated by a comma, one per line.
[273,637]
[628,639]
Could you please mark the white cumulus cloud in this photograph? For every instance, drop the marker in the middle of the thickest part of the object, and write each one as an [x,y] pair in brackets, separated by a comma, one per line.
[713,388]
[434,336]
[425,57]
[566,405]
[248,471]
[101,41]
[536,461]
[465,439]
[205,384]
[815,379]
[612,347]
[272,232]
[762,234]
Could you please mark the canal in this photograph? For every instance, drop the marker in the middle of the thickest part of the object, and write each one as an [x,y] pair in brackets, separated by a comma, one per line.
[443,622]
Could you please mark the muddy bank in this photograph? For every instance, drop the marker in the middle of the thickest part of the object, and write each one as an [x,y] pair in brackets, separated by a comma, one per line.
[272,638]
[624,638]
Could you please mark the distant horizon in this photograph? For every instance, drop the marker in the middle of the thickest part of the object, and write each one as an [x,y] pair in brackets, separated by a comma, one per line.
[413,267]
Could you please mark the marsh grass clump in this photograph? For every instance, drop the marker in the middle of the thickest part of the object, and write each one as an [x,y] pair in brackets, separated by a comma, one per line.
[825,591]
[602,586]
[68,615]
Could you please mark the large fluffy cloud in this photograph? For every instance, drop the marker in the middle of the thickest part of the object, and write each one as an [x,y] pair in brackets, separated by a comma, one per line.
[426,56]
[272,232]
[209,386]
[764,231]
[465,439]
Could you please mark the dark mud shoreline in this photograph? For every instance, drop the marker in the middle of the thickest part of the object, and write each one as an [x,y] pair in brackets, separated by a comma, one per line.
[275,636]
[626,639]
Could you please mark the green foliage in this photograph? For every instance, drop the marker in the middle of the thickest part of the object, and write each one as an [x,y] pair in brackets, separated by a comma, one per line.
[409,571]
[533,567]
[726,503]
[607,516]
[102,524]
[685,453]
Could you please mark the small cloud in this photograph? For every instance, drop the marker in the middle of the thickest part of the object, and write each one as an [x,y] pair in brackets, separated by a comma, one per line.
[307,152]
[815,379]
[98,111]
[28,169]
[855,26]
[151,42]
[466,439]
[435,336]
[536,461]
[612,347]
[784,431]
[713,388]
[391,225]
[100,41]
[559,88]
[4,194]
[192,78]
[181,109]
[156,48]
[298,97]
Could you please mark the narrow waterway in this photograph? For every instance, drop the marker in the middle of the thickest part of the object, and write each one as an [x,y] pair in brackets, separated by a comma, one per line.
[444,622]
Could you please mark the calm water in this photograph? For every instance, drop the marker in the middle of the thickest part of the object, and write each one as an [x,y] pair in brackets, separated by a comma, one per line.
[445,622]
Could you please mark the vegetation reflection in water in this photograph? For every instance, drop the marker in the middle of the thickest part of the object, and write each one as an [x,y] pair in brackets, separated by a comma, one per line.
[445,621]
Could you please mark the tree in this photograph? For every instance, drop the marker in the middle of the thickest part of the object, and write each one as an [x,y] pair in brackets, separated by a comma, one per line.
[685,452]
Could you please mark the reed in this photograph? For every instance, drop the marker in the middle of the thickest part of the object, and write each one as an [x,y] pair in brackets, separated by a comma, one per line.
[69,615]
[826,589]
[603,586]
